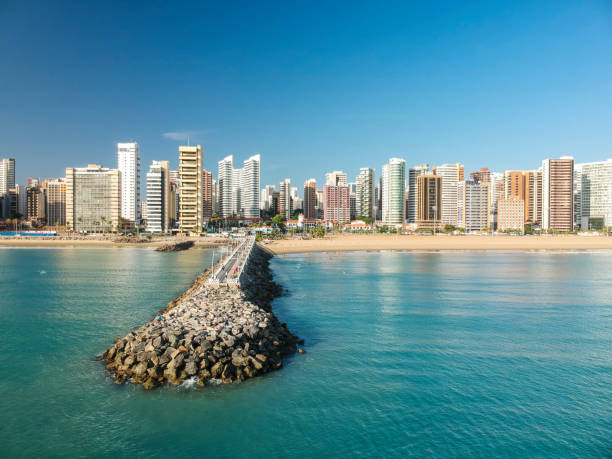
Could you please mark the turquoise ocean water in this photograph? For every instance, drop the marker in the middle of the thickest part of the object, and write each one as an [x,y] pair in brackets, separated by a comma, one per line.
[409,354]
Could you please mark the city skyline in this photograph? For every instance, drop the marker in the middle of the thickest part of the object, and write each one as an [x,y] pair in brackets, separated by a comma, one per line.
[310,91]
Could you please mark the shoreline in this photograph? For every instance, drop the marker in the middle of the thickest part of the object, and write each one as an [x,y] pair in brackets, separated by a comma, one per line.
[441,243]
[106,243]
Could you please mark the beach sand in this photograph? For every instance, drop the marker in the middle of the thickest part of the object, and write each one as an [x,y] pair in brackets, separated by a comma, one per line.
[350,242]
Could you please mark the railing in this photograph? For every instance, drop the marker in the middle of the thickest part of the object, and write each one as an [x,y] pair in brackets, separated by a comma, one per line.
[233,265]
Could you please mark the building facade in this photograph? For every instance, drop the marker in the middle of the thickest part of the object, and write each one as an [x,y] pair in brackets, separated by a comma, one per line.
[249,187]
[429,201]
[93,198]
[128,160]
[594,194]
[558,194]
[451,175]
[393,192]
[473,210]
[285,203]
[156,198]
[511,214]
[413,173]
[366,194]
[56,201]
[310,199]
[337,207]
[191,191]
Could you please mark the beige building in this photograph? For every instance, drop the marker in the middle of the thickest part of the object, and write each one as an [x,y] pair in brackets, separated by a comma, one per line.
[207,183]
[473,205]
[511,214]
[191,192]
[429,201]
[93,198]
[558,194]
[56,201]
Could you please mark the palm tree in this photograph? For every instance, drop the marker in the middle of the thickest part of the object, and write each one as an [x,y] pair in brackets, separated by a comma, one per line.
[80,220]
[103,218]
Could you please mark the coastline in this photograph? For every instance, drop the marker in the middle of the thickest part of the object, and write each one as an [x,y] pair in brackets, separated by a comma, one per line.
[377,242]
[106,243]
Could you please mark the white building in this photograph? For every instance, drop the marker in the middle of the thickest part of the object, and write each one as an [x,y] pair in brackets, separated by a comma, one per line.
[128,161]
[594,194]
[473,205]
[156,197]
[451,175]
[286,203]
[225,182]
[335,178]
[250,181]
[413,173]
[7,182]
[394,191]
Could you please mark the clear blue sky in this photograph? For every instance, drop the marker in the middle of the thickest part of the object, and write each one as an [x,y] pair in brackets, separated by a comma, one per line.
[311,86]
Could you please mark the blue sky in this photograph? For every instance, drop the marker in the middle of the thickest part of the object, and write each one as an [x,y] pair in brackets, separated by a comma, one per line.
[312,86]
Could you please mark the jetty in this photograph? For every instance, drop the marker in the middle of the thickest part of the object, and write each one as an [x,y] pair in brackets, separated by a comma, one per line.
[222,330]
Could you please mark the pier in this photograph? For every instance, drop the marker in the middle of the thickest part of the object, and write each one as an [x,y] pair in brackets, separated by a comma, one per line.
[230,271]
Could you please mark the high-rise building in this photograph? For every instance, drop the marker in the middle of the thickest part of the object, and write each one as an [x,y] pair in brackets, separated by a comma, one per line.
[594,194]
[266,198]
[249,187]
[310,198]
[225,180]
[473,205]
[394,192]
[191,191]
[353,200]
[496,191]
[335,178]
[366,195]
[156,198]
[143,212]
[558,194]
[533,197]
[285,201]
[7,183]
[207,184]
[93,198]
[511,214]
[320,205]
[56,201]
[336,203]
[275,206]
[429,201]
[128,160]
[451,175]
[413,173]
[35,196]
[481,176]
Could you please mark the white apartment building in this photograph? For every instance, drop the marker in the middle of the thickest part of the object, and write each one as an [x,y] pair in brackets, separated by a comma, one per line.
[157,197]
[451,175]
[335,178]
[249,184]
[473,205]
[128,163]
[394,191]
[593,192]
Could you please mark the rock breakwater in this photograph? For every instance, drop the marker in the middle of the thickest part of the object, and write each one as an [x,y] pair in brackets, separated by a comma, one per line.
[217,334]
[175,246]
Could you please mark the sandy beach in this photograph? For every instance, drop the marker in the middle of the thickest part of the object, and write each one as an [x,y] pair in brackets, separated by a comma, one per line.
[349,242]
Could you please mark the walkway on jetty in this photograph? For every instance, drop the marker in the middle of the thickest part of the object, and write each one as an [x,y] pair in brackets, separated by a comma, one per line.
[229,272]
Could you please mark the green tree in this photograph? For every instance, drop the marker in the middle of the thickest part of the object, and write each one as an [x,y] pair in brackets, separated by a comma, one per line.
[449,228]
[368,220]
[279,221]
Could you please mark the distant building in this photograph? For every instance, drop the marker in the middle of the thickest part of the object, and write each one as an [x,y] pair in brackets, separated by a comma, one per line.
[335,178]
[249,187]
[285,201]
[128,160]
[191,191]
[473,205]
[156,208]
[511,214]
[481,176]
[35,196]
[310,199]
[594,194]
[451,175]
[143,212]
[93,198]
[56,201]
[558,194]
[7,183]
[336,203]
[413,173]
[207,185]
[429,201]
[366,194]
[393,193]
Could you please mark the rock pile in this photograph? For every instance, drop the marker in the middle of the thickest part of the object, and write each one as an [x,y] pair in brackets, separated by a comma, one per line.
[213,334]
[175,246]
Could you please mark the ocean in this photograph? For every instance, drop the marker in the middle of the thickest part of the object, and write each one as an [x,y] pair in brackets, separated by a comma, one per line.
[408,354]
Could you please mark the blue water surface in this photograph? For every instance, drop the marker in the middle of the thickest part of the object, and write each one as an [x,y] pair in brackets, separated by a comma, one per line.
[408,354]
